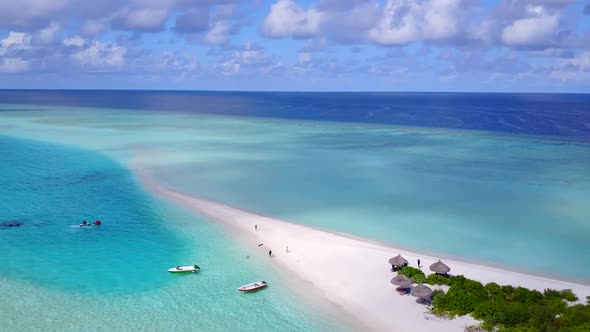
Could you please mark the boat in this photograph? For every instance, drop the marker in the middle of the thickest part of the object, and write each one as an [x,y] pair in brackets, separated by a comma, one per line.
[184,269]
[254,286]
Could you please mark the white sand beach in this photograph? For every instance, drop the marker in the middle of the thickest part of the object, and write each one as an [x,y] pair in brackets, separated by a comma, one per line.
[350,272]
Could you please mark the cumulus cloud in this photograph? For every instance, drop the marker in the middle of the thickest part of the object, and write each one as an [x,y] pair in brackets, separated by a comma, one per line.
[219,33]
[95,54]
[13,65]
[92,28]
[194,20]
[141,19]
[12,48]
[289,19]
[394,22]
[49,34]
[178,63]
[14,42]
[76,41]
[26,14]
[499,37]
[404,21]
[574,69]
[212,24]
[538,28]
[250,56]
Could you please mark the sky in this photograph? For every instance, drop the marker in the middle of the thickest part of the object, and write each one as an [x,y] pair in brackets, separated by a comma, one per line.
[299,45]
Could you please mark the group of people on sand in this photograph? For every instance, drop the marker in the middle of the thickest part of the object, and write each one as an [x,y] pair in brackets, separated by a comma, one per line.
[270,251]
[86,223]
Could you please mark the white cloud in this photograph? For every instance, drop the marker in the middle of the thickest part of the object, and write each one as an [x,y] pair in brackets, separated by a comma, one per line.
[229,68]
[250,56]
[405,21]
[74,41]
[184,64]
[48,34]
[141,19]
[304,58]
[577,68]
[289,19]
[13,65]
[15,41]
[29,13]
[100,55]
[537,29]
[91,28]
[441,19]
[219,33]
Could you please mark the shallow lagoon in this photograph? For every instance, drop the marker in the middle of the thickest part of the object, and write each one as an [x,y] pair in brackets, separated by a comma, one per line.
[56,275]
[510,200]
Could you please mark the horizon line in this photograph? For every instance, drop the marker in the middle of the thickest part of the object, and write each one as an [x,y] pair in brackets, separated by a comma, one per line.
[295,91]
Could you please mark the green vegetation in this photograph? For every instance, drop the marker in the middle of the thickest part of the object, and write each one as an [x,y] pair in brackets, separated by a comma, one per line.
[419,277]
[437,279]
[413,273]
[509,309]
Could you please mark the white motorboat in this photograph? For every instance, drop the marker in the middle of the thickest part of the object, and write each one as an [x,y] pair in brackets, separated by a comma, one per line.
[254,286]
[185,269]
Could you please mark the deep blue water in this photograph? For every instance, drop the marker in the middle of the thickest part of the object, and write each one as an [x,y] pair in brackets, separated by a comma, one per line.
[565,116]
[50,189]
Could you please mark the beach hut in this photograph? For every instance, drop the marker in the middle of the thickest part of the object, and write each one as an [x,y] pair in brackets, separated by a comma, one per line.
[422,292]
[440,268]
[397,262]
[403,284]
[402,281]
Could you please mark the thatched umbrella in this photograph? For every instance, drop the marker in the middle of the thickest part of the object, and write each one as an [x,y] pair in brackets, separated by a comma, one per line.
[440,268]
[398,261]
[402,281]
[421,291]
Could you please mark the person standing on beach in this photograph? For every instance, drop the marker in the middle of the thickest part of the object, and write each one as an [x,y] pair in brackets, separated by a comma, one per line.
[256,227]
[418,262]
[287,249]
[270,253]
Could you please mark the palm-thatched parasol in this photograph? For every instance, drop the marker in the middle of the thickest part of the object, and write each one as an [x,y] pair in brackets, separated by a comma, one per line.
[402,281]
[440,268]
[421,291]
[398,261]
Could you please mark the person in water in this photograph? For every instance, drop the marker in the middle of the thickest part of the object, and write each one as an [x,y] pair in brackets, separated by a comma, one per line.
[85,223]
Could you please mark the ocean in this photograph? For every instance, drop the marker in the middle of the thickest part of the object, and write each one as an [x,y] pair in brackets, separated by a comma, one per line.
[502,179]
[55,275]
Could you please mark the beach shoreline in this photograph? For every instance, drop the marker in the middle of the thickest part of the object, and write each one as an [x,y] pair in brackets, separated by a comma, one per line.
[350,272]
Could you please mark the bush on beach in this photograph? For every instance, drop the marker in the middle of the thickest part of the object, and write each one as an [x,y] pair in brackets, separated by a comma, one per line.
[510,309]
[413,273]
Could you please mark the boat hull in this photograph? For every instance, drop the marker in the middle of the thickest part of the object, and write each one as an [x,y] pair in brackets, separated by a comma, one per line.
[253,287]
[183,269]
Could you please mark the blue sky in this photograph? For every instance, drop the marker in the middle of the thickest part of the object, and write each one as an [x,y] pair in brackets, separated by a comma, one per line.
[304,45]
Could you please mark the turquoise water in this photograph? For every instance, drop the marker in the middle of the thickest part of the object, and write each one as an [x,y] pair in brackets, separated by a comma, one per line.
[515,201]
[113,277]
[51,189]
[518,201]
[510,201]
